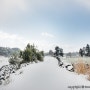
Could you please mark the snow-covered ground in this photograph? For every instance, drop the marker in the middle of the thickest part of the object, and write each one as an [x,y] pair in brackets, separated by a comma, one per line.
[45,75]
[3,61]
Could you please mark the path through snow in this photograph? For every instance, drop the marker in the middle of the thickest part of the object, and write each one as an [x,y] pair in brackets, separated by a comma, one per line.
[45,75]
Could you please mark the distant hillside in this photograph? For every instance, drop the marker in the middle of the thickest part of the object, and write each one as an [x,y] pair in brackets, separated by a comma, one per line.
[6,51]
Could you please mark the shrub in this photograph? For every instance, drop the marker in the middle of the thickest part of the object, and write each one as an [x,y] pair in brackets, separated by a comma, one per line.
[27,55]
[81,67]
[39,56]
[42,53]
[15,60]
[31,54]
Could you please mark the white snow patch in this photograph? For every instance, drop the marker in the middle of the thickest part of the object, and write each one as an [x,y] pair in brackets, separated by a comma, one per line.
[3,61]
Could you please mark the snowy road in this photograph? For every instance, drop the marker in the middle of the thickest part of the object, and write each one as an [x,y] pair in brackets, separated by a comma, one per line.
[45,76]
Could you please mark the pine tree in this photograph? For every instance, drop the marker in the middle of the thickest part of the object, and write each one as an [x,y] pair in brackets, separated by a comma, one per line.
[81,52]
[88,50]
[31,54]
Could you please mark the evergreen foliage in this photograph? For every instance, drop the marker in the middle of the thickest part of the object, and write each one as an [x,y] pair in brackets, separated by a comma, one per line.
[31,54]
[85,51]
[58,51]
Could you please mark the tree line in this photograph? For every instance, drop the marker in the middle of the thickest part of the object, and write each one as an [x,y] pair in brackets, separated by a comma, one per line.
[85,51]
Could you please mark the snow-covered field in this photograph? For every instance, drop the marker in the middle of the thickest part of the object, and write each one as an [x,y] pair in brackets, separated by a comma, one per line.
[3,61]
[75,59]
[46,75]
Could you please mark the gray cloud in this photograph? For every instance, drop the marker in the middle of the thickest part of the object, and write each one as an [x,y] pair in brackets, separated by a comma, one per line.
[9,7]
[12,8]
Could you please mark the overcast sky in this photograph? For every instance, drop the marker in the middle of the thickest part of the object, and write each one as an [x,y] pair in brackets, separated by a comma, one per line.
[46,23]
